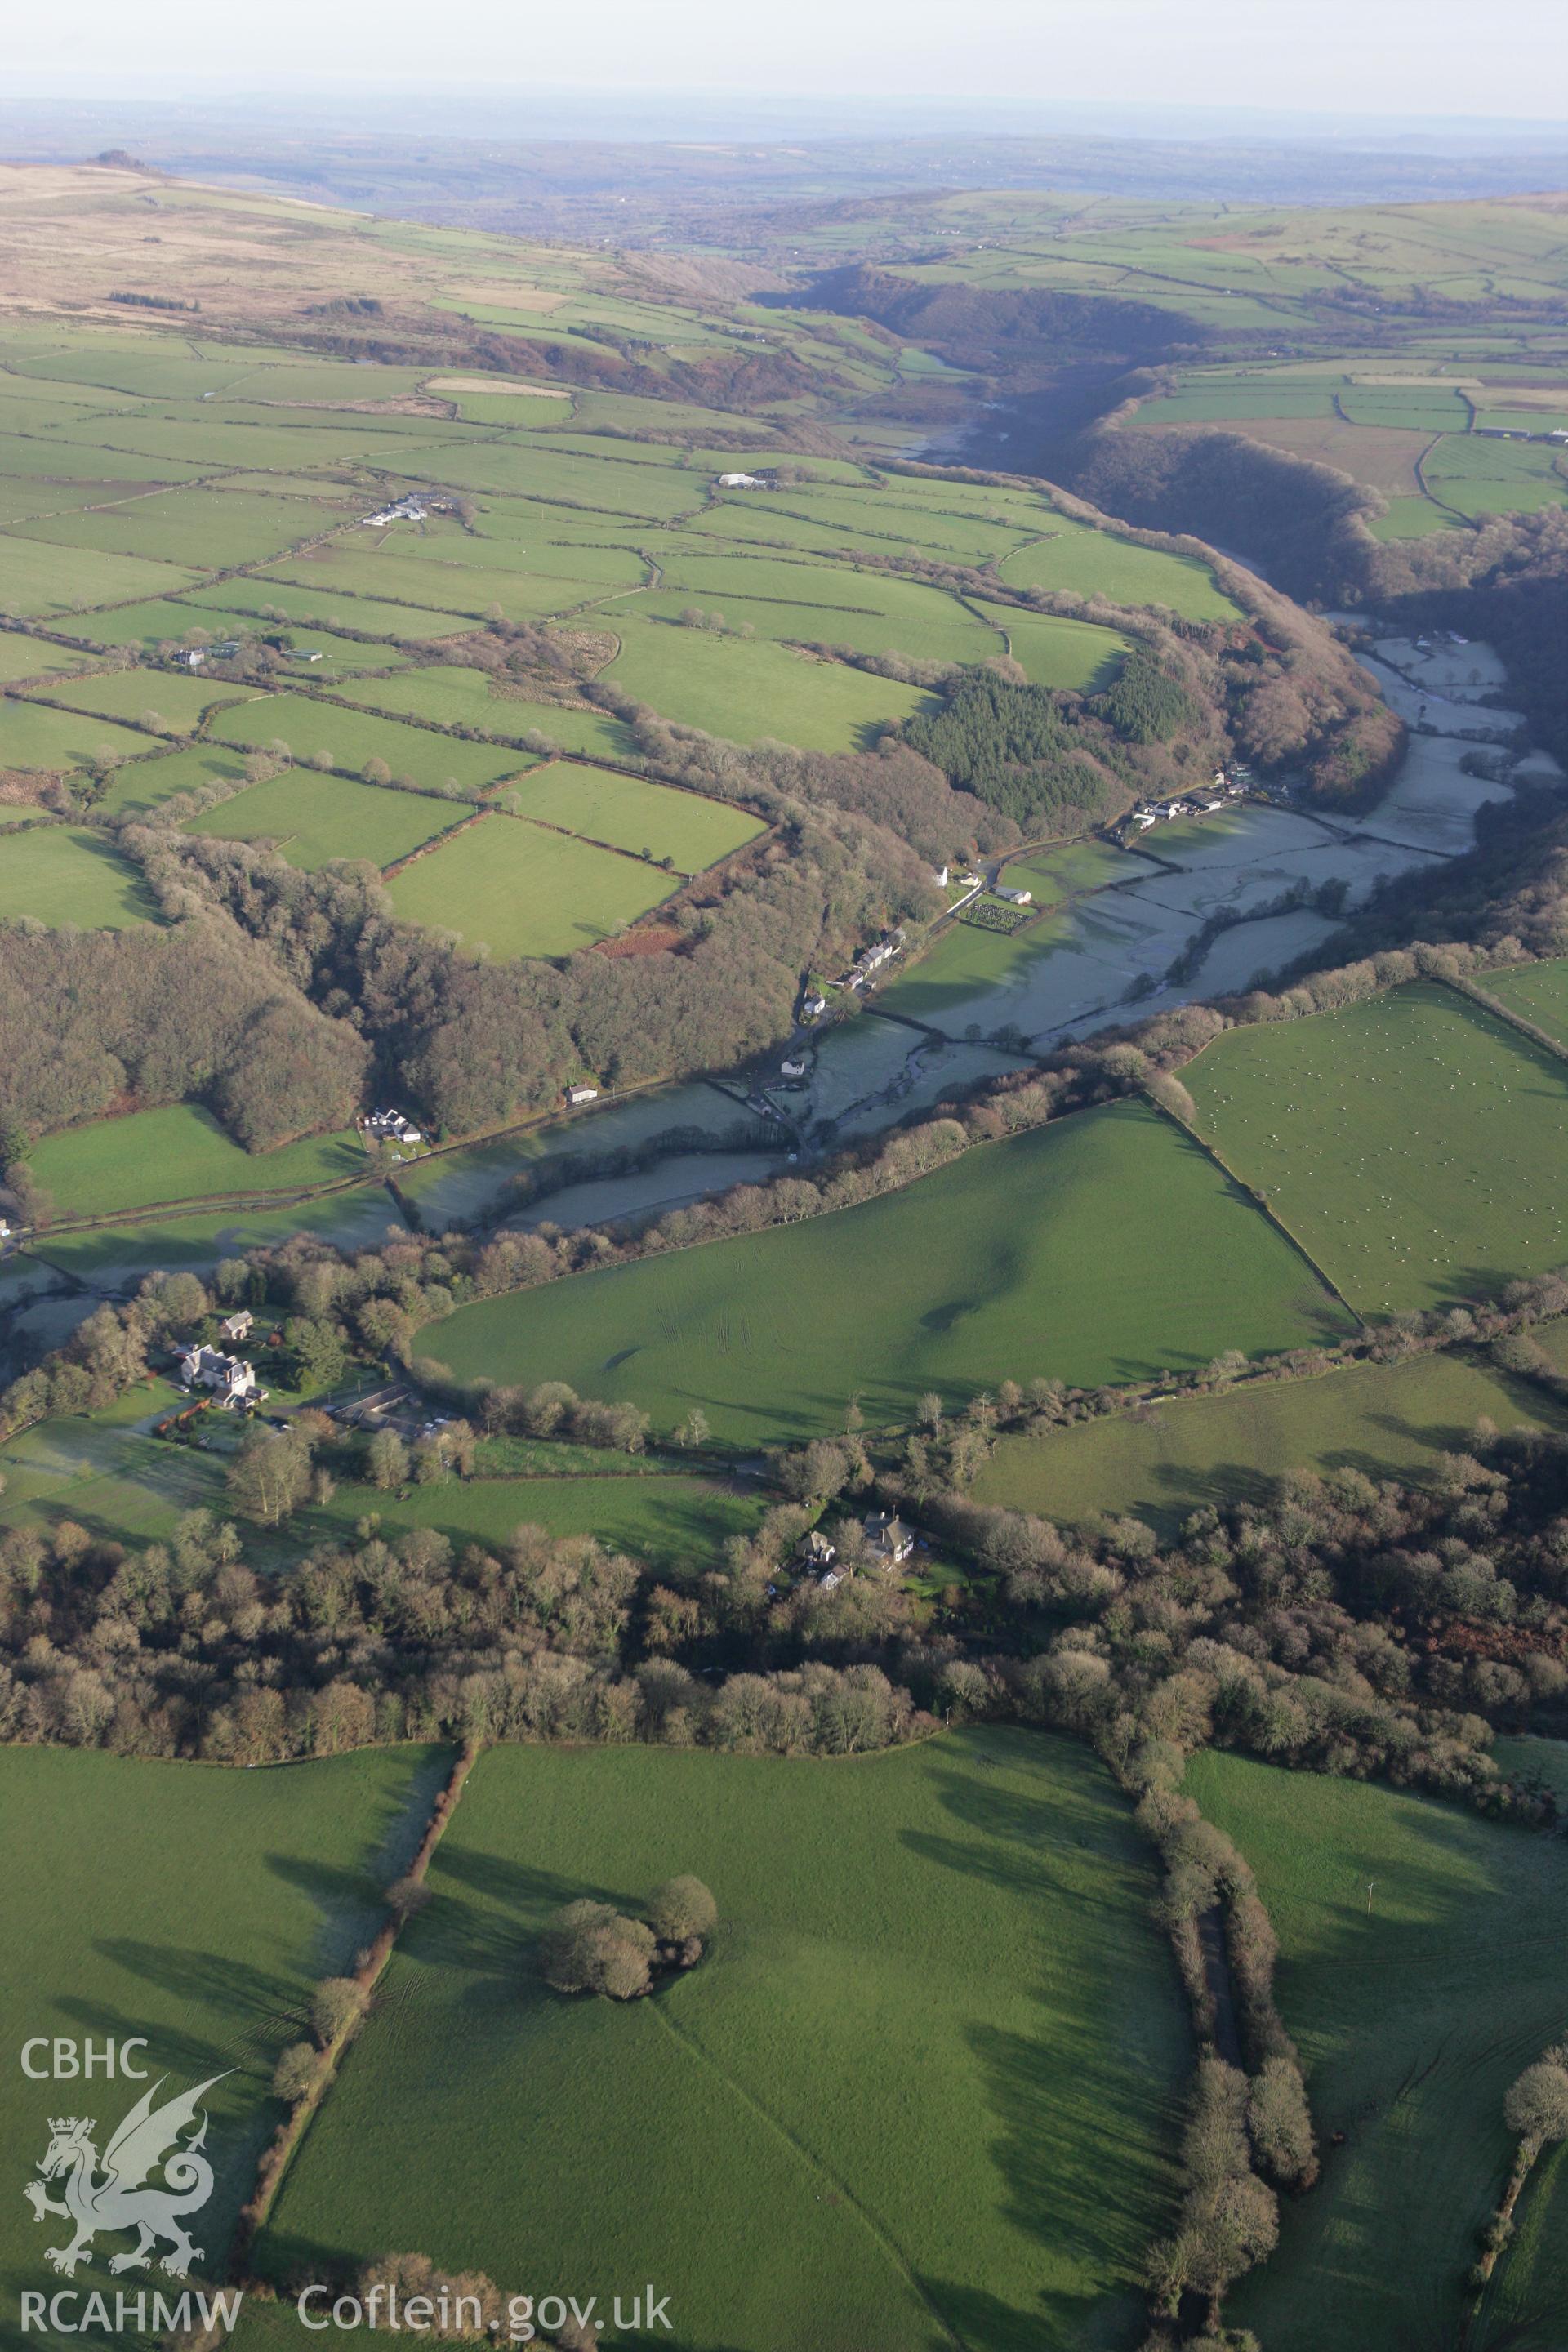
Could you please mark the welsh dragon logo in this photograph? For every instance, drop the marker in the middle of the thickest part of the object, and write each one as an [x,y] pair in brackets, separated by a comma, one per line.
[146,2140]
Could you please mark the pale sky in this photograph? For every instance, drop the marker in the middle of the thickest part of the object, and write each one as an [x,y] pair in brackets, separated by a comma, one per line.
[1345,57]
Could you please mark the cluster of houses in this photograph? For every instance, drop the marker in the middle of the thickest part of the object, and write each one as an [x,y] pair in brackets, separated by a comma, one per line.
[196,656]
[888,1543]
[230,1379]
[391,1126]
[870,960]
[1216,795]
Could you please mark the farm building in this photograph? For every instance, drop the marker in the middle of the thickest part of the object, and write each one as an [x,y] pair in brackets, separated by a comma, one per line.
[743,482]
[232,1380]
[1015,897]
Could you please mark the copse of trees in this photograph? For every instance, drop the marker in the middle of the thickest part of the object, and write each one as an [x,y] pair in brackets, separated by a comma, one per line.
[590,1946]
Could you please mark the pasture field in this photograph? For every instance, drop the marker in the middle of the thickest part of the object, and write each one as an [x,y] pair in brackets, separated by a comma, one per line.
[632,815]
[677,1523]
[463,696]
[144,783]
[178,699]
[41,579]
[1414,1144]
[746,691]
[196,1907]
[176,1153]
[1075,656]
[469,589]
[1087,563]
[932,1965]
[523,891]
[377,617]
[314,818]
[150,622]
[816,604]
[1412,2019]
[204,528]
[1102,1248]
[23,658]
[68,874]
[33,735]
[1390,1420]
[453,696]
[355,736]
[1536,992]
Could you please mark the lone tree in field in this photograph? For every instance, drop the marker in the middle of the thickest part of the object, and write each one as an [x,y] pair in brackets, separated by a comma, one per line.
[1535,2108]
[681,1907]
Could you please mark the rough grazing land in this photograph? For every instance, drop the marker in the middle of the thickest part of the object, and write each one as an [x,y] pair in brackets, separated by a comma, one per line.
[922,2089]
[1098,1249]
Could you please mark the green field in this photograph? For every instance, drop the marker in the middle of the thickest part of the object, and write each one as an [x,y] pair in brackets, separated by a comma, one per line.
[314,818]
[352,738]
[61,874]
[1389,1421]
[179,700]
[1077,657]
[629,814]
[1414,1144]
[921,2091]
[177,1153]
[523,891]
[22,657]
[1538,993]
[1079,866]
[195,1907]
[32,737]
[1412,2020]
[41,579]
[1086,563]
[465,698]
[1099,1249]
[144,783]
[746,690]
[677,1524]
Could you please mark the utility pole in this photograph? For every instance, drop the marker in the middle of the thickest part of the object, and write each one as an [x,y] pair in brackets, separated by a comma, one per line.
[1370,1884]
